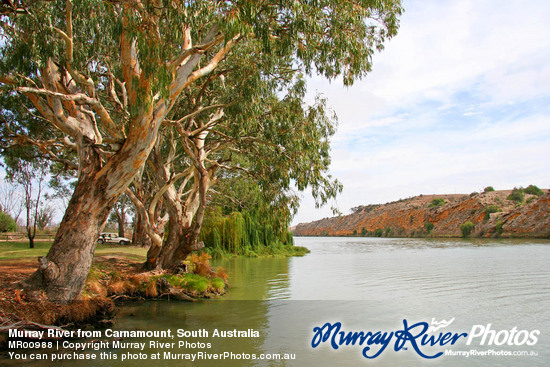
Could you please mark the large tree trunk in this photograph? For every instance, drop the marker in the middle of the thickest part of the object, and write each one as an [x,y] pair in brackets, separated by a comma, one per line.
[185,218]
[140,237]
[184,225]
[178,244]
[63,271]
[152,256]
[102,180]
[121,219]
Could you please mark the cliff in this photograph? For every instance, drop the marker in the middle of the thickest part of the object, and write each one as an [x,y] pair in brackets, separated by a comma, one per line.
[492,213]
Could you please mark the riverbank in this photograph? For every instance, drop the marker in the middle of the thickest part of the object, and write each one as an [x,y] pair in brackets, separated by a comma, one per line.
[116,277]
[518,213]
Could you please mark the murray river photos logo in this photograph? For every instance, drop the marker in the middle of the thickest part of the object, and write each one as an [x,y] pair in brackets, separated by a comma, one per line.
[425,339]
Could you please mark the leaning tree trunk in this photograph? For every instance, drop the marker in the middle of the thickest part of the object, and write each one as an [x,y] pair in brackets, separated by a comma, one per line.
[63,271]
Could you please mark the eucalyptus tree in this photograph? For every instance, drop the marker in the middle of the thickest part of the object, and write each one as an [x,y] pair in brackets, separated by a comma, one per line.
[104,76]
[248,118]
[31,177]
[121,213]
[255,131]
[11,202]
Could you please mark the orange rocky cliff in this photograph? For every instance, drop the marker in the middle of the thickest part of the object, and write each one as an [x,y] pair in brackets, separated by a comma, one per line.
[492,213]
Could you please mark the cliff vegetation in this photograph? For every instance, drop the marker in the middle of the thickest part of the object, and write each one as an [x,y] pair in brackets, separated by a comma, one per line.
[521,212]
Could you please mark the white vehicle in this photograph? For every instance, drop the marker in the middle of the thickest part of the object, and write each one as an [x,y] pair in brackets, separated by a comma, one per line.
[112,238]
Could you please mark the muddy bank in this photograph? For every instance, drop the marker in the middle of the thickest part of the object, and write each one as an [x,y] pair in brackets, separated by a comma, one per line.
[113,281]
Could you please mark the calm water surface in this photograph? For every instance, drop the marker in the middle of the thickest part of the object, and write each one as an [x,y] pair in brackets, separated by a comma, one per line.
[372,285]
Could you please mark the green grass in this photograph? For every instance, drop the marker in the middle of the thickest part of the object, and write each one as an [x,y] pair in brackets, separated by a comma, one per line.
[10,250]
[20,249]
[130,252]
[195,282]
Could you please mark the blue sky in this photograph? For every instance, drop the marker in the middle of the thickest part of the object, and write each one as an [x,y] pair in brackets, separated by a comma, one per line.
[458,100]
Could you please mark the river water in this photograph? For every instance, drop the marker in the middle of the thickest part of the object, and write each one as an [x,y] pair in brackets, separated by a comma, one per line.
[371,284]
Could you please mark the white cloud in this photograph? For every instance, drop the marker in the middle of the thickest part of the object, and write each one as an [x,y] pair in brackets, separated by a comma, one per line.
[459,100]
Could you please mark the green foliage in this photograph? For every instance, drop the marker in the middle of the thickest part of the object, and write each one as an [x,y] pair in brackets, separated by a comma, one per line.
[192,282]
[246,220]
[429,226]
[262,90]
[7,224]
[489,209]
[218,284]
[195,282]
[436,203]
[533,190]
[363,231]
[466,229]
[378,232]
[388,231]
[242,233]
[498,228]
[488,189]
[517,195]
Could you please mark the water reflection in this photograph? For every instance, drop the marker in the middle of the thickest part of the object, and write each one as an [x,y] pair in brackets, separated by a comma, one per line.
[367,284]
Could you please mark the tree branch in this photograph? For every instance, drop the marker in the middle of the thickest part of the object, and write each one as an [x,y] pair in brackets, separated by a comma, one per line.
[79,98]
[69,46]
[213,63]
[155,237]
[194,113]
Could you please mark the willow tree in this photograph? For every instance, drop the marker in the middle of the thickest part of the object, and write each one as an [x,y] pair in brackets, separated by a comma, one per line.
[105,75]
[242,218]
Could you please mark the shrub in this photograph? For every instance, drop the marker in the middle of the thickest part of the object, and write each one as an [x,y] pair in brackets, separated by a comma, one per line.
[363,231]
[491,209]
[473,194]
[498,228]
[378,232]
[517,195]
[436,203]
[201,264]
[218,284]
[222,273]
[195,282]
[467,229]
[488,189]
[429,226]
[7,224]
[533,190]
